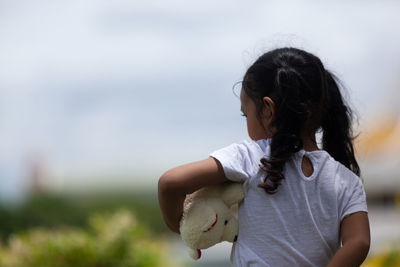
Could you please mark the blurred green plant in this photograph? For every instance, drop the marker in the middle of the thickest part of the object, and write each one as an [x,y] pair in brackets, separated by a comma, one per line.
[115,239]
[389,257]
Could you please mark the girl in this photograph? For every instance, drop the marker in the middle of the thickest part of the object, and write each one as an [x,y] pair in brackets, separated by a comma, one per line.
[303,206]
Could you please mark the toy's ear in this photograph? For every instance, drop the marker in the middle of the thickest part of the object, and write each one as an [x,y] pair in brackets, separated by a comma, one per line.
[232,194]
[195,254]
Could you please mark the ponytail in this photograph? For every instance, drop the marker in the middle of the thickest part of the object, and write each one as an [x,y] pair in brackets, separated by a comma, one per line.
[337,138]
[290,116]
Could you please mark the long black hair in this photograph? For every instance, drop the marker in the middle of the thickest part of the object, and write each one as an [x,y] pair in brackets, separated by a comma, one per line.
[307,99]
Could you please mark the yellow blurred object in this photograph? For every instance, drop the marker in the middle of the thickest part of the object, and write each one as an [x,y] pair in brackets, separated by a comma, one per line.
[397,200]
[380,137]
[390,257]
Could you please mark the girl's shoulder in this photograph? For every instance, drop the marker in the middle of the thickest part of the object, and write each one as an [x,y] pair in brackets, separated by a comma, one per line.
[250,148]
[240,160]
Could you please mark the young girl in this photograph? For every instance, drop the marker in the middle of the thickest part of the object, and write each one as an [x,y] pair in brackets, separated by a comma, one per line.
[303,206]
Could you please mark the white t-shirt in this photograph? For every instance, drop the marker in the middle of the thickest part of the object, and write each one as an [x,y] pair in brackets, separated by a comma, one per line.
[299,225]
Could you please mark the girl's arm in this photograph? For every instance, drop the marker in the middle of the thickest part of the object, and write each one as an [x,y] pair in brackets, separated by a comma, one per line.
[177,182]
[355,236]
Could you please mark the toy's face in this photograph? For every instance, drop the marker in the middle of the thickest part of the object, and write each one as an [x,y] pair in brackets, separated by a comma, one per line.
[219,225]
[206,223]
[208,218]
[224,228]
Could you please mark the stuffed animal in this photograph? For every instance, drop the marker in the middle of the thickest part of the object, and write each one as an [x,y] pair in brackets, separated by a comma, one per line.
[208,218]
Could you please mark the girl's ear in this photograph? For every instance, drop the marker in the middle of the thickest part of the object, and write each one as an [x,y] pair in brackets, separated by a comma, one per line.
[269,109]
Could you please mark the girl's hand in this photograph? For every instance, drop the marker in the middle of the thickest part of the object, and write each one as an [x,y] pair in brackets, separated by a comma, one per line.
[355,236]
[175,184]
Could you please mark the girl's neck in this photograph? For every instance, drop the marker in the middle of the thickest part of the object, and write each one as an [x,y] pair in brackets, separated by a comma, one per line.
[309,142]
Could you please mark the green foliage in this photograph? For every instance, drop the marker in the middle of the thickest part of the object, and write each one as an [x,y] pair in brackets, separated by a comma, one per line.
[48,210]
[111,240]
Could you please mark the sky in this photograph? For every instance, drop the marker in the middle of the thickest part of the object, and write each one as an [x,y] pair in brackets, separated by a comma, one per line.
[92,89]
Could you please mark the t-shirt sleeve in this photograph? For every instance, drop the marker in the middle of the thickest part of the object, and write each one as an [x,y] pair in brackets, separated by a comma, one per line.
[352,196]
[238,160]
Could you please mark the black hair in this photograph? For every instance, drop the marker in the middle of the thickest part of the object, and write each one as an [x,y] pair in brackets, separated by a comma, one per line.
[307,99]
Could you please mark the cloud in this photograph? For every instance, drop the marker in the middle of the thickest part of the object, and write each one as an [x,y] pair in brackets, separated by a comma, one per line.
[99,84]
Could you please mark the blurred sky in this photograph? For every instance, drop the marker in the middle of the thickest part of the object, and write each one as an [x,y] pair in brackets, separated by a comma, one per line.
[93,89]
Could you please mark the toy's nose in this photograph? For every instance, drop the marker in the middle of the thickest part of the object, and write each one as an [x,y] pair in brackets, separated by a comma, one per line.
[234,240]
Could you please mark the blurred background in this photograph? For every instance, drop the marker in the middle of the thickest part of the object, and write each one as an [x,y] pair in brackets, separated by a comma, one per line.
[99,98]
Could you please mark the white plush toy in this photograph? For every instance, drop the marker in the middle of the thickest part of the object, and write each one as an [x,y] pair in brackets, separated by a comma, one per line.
[208,218]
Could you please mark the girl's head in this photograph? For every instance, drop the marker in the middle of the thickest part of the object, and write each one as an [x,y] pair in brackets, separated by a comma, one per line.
[287,95]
